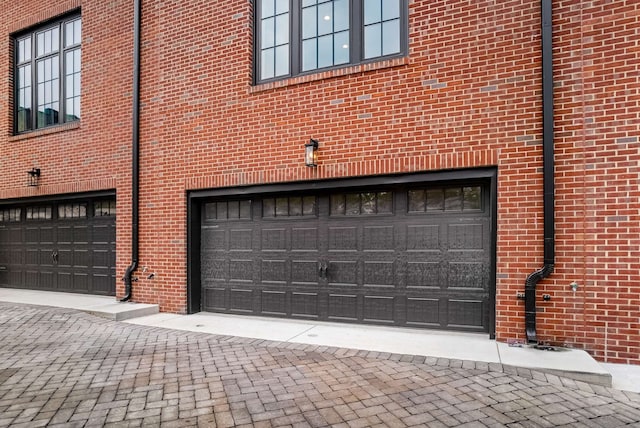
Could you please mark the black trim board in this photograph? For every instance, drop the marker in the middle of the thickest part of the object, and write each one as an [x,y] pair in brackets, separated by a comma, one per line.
[58,197]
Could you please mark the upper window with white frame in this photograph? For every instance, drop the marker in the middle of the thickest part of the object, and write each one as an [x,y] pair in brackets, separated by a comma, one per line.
[47,75]
[295,37]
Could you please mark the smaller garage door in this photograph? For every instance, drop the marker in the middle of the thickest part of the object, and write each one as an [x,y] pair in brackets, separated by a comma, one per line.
[59,246]
[417,255]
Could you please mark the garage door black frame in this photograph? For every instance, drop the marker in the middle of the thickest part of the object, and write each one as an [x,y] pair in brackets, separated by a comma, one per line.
[196,198]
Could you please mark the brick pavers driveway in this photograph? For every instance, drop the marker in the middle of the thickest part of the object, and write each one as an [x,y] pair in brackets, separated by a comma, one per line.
[59,367]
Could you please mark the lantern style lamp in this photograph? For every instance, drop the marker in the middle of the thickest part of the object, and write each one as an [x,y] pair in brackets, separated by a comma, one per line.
[311,153]
[34,175]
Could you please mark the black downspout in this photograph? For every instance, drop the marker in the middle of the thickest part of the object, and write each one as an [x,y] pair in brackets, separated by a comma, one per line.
[135,158]
[547,172]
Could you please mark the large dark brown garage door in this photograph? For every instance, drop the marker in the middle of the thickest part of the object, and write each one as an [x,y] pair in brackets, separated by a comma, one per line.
[59,246]
[412,256]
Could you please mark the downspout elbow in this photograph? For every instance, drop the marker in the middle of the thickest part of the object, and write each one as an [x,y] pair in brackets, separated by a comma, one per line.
[530,300]
[128,279]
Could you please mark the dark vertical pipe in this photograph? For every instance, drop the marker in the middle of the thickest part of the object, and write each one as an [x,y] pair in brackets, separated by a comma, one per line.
[135,155]
[547,172]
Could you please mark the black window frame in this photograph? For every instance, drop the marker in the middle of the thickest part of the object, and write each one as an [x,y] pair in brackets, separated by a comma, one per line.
[356,40]
[60,54]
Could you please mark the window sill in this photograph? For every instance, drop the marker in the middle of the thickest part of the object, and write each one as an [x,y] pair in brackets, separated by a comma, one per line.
[345,71]
[46,131]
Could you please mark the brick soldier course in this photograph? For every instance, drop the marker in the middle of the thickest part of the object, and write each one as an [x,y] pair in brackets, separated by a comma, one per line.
[59,367]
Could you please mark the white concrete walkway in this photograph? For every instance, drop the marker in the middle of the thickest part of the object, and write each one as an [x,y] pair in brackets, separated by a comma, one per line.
[572,363]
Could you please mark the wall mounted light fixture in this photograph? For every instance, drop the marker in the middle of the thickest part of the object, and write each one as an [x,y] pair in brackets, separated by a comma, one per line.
[34,176]
[311,153]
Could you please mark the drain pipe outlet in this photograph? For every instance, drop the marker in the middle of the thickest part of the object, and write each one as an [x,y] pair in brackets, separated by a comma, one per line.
[135,155]
[547,172]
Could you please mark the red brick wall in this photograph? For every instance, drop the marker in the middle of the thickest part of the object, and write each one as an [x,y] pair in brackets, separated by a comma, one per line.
[468,94]
[94,154]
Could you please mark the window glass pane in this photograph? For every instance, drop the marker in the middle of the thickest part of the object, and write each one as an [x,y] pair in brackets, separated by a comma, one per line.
[306,3]
[385,202]
[453,199]
[337,205]
[309,28]
[282,207]
[309,55]
[245,209]
[72,33]
[282,60]
[267,8]
[471,198]
[267,66]
[40,44]
[269,208]
[325,18]
[325,51]
[282,29]
[352,204]
[210,211]
[234,209]
[295,206]
[340,15]
[368,203]
[282,6]
[417,200]
[372,11]
[390,9]
[221,213]
[373,41]
[268,33]
[391,37]
[309,205]
[435,200]
[341,48]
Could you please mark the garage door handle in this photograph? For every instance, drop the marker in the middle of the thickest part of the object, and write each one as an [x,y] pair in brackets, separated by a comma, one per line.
[54,257]
[322,272]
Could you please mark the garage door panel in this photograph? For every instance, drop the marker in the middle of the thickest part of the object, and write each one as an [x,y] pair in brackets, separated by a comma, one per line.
[215,269]
[467,275]
[378,238]
[423,312]
[240,239]
[213,239]
[82,257]
[215,299]
[65,258]
[241,270]
[304,239]
[274,271]
[273,302]
[466,236]
[423,237]
[343,239]
[304,272]
[305,305]
[424,275]
[379,309]
[241,300]
[274,240]
[380,274]
[466,313]
[342,273]
[343,307]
